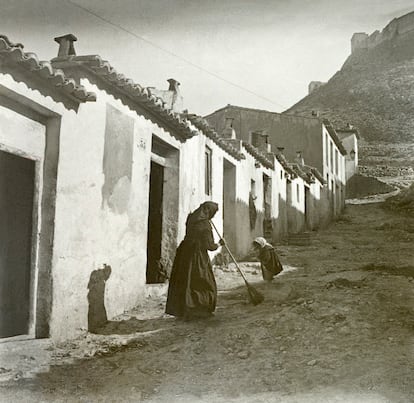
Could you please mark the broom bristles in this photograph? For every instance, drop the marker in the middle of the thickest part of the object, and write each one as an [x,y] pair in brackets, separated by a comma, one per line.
[255,296]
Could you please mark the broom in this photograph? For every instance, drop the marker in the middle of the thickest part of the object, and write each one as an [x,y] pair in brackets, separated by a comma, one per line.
[255,297]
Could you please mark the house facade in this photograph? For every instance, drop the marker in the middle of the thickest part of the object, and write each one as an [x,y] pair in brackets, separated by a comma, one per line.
[315,139]
[98,175]
[349,137]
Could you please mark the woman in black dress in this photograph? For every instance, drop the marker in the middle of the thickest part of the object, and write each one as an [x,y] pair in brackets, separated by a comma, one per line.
[192,292]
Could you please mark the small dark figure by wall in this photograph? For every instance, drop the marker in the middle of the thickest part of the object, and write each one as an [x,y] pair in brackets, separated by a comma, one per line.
[96,298]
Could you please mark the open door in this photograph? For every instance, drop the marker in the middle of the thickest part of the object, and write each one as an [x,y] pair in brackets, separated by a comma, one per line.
[16,215]
[155,229]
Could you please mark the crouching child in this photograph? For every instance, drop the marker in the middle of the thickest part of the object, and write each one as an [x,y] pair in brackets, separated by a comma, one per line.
[269,260]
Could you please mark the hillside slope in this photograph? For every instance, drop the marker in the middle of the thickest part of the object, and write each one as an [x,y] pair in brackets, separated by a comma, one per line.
[374,90]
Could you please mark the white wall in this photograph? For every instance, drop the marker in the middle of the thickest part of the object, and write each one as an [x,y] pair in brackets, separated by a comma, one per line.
[331,174]
[89,232]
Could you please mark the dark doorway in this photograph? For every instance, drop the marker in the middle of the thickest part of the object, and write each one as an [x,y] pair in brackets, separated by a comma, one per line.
[267,208]
[16,210]
[308,217]
[154,266]
[229,204]
[290,210]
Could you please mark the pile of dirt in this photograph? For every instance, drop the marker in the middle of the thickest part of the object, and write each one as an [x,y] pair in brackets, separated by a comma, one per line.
[361,186]
[402,202]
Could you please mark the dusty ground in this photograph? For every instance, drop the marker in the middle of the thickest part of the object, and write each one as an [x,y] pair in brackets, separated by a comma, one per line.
[339,328]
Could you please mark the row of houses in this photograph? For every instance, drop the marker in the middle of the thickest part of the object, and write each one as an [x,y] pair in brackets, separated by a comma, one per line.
[97,171]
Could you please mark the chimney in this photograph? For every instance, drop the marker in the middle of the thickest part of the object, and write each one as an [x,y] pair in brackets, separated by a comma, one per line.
[299,159]
[281,150]
[66,47]
[261,141]
[228,131]
[174,84]
[172,96]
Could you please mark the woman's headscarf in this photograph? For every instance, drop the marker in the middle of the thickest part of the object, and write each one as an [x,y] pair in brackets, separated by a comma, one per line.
[261,241]
[206,211]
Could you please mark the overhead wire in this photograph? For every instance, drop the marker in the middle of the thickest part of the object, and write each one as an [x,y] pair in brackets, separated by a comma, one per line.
[172,54]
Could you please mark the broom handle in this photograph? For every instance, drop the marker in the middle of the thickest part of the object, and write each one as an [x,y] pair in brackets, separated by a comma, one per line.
[231,255]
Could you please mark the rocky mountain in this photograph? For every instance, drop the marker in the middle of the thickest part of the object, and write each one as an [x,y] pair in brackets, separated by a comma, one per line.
[374,90]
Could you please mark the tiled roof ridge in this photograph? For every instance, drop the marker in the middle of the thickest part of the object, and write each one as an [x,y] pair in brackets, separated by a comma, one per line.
[304,174]
[43,70]
[10,43]
[284,162]
[135,92]
[230,106]
[334,136]
[307,172]
[298,172]
[258,155]
[317,174]
[245,108]
[282,159]
[201,124]
[353,130]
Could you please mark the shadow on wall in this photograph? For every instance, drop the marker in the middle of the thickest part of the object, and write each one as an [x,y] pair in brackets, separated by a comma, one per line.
[96,298]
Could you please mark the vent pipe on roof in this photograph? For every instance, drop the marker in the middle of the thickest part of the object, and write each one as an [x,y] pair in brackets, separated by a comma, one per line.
[66,47]
[174,84]
[260,139]
[172,97]
[228,131]
[299,158]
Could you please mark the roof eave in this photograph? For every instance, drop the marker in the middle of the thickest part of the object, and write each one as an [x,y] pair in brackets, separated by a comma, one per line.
[126,92]
[20,74]
[201,124]
[41,76]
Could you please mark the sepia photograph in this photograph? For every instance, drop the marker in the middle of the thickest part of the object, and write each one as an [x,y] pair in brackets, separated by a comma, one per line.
[206,201]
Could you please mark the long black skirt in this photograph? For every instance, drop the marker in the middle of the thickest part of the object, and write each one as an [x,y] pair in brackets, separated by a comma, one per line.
[192,290]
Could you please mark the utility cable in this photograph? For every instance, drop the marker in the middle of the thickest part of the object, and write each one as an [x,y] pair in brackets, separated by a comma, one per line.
[189,62]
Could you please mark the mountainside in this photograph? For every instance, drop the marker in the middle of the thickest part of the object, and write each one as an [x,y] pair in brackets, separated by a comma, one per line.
[374,90]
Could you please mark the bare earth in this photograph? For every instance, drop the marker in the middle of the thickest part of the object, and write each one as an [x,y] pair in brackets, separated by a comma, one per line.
[339,328]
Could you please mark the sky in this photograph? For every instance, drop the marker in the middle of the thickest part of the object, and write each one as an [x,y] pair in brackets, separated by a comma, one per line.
[253,53]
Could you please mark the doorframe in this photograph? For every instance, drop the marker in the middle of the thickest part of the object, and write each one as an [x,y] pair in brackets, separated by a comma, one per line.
[167,155]
[37,190]
[228,214]
[45,185]
[160,161]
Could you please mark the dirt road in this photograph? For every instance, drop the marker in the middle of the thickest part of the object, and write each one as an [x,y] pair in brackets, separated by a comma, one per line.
[340,328]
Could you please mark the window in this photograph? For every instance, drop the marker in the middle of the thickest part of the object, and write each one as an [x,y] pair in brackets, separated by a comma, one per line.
[331,156]
[336,162]
[207,171]
[253,189]
[297,192]
[326,149]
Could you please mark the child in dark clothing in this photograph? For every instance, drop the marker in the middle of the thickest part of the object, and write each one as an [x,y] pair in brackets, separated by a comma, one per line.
[269,260]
